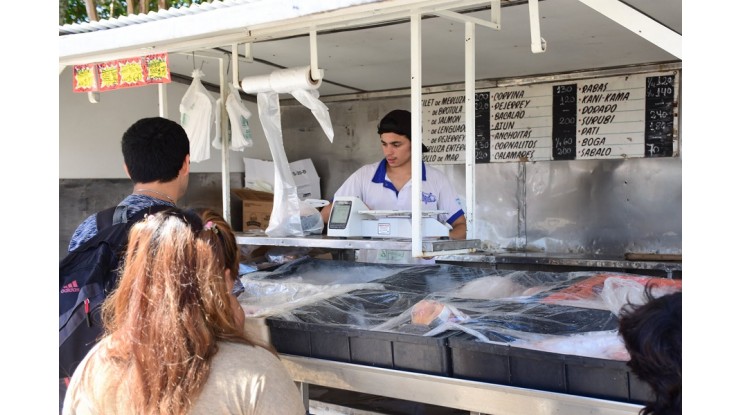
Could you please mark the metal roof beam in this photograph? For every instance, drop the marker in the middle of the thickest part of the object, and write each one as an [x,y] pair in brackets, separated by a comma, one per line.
[639,23]
[225,26]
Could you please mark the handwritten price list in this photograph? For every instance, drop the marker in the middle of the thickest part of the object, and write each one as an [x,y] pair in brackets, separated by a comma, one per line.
[521,121]
[564,116]
[659,95]
[443,128]
[617,117]
[482,127]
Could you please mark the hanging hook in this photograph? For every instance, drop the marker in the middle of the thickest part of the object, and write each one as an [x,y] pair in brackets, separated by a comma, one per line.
[193,52]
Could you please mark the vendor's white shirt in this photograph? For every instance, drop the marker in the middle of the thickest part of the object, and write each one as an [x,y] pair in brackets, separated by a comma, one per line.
[371,184]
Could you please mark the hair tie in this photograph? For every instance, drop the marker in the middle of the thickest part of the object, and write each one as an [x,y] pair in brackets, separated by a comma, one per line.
[209,226]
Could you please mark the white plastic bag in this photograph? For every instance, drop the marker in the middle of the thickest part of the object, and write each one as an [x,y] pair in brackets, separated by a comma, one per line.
[289,213]
[311,221]
[196,117]
[241,133]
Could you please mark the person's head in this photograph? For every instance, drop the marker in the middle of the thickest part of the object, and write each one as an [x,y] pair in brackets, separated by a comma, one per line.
[222,239]
[652,336]
[157,150]
[395,137]
[169,310]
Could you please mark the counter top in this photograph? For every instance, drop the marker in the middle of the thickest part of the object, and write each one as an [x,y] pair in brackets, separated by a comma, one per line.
[467,250]
[438,246]
[562,259]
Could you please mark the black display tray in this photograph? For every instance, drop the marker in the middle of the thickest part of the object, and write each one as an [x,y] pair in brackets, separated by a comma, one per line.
[502,364]
[392,350]
[340,328]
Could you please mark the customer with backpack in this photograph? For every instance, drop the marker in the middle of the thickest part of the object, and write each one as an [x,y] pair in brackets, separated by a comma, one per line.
[174,343]
[156,154]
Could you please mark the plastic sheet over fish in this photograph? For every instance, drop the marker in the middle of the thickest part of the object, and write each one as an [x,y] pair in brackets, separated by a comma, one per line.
[569,313]
[325,272]
[305,281]
[360,309]
[270,298]
[572,313]
[351,294]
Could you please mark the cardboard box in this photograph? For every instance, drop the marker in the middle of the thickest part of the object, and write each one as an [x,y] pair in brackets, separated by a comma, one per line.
[250,209]
[261,174]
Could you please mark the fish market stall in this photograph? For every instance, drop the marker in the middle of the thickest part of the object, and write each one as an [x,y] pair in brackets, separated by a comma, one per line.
[396,330]
[559,149]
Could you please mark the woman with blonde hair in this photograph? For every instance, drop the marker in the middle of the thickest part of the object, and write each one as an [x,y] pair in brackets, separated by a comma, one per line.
[174,343]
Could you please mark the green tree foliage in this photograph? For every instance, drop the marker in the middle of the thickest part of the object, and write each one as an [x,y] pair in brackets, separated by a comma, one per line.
[74,11]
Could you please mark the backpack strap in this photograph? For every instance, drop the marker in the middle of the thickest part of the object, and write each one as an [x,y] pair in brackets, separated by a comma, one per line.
[119,214]
[148,211]
[104,218]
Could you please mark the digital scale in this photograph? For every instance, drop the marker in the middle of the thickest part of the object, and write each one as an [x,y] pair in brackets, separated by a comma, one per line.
[350,218]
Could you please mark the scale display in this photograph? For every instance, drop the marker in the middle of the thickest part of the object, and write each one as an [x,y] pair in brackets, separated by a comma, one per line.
[340,214]
[350,217]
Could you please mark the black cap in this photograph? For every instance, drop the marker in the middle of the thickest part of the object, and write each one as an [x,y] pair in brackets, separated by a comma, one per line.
[399,122]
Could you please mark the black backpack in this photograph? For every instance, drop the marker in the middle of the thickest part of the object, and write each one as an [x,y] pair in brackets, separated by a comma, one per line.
[86,276]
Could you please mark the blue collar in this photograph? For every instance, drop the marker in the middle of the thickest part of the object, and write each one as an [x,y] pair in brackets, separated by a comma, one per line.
[379,176]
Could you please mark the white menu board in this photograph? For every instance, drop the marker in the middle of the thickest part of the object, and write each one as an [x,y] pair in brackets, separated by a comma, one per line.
[617,117]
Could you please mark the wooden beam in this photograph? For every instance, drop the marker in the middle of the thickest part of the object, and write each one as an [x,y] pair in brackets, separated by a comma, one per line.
[92,12]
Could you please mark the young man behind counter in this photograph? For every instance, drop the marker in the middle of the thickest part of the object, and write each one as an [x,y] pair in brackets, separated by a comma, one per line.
[386,185]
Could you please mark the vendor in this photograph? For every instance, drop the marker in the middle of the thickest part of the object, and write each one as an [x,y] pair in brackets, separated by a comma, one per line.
[386,185]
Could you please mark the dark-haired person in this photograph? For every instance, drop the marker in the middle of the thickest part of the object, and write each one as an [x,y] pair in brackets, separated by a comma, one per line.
[386,185]
[652,336]
[173,342]
[156,155]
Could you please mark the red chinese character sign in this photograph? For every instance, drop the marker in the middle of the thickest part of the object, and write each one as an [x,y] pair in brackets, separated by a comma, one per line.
[131,72]
[84,78]
[157,68]
[122,73]
[108,75]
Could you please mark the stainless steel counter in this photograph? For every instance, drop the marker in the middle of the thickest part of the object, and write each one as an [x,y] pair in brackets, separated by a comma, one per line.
[436,246]
[462,251]
[589,261]
[477,397]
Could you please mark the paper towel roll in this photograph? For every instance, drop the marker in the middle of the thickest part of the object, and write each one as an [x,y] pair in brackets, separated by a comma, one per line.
[286,218]
[281,81]
[256,84]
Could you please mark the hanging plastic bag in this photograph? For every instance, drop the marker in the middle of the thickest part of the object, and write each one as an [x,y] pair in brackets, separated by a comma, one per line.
[311,221]
[196,117]
[241,133]
[290,216]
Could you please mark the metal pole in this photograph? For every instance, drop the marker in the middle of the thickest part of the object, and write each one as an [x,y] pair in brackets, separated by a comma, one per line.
[163,109]
[470,129]
[225,143]
[416,134]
